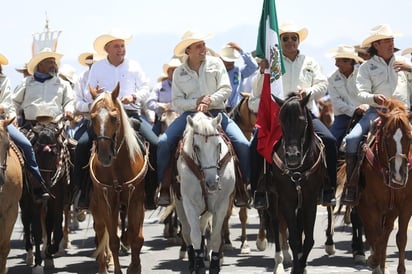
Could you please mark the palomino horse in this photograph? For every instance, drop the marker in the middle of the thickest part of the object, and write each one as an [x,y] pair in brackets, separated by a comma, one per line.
[298,173]
[206,172]
[117,168]
[11,186]
[386,190]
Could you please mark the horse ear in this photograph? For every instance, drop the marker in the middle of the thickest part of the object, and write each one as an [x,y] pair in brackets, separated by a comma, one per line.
[278,100]
[189,120]
[93,92]
[116,91]
[217,120]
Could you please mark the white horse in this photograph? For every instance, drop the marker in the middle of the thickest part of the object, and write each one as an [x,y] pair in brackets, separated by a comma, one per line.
[206,173]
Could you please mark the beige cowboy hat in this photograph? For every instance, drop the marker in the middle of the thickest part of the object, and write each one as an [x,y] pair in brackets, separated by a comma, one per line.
[68,72]
[21,68]
[102,40]
[43,54]
[406,51]
[292,27]
[188,38]
[379,32]
[88,58]
[344,51]
[174,62]
[229,54]
[3,60]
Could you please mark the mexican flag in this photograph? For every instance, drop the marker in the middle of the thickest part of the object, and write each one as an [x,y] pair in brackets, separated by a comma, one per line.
[268,48]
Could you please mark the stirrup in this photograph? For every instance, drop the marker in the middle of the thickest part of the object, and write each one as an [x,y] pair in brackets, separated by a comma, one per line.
[260,200]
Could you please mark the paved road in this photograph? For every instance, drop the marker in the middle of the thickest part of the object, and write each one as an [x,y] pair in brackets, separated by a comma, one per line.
[161,256]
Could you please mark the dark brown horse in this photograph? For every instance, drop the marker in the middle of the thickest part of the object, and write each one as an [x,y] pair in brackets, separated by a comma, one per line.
[298,173]
[11,186]
[117,169]
[387,188]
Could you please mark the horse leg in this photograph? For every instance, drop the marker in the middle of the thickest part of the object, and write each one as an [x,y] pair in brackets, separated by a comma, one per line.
[244,248]
[358,250]
[135,234]
[26,221]
[225,229]
[283,239]
[216,240]
[261,241]
[114,241]
[329,244]
[37,234]
[401,239]
[66,229]
[308,225]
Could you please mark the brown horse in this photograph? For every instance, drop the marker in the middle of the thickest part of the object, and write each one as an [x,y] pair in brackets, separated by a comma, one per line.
[387,188]
[118,166]
[11,186]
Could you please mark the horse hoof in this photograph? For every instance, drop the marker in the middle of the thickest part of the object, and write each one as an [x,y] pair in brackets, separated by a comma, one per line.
[330,249]
[245,249]
[182,255]
[29,258]
[48,263]
[261,244]
[38,269]
[360,259]
[279,269]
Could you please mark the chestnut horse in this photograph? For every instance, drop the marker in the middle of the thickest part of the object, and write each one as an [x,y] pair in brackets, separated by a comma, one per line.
[387,188]
[118,166]
[11,186]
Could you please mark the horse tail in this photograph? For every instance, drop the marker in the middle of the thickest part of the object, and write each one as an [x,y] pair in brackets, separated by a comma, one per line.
[104,242]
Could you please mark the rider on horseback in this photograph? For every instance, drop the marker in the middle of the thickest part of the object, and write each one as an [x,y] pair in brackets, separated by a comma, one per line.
[134,88]
[42,95]
[383,76]
[200,84]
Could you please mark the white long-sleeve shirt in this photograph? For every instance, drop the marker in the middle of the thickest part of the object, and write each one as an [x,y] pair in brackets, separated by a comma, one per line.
[5,96]
[375,76]
[129,74]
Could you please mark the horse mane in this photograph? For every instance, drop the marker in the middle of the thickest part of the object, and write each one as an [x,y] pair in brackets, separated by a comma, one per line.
[130,135]
[396,115]
[294,107]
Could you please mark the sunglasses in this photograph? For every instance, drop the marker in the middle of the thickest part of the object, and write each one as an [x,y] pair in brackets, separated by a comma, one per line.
[286,38]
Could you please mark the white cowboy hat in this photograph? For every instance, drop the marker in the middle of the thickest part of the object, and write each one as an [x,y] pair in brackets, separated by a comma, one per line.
[406,51]
[379,32]
[344,51]
[189,38]
[21,68]
[88,58]
[43,54]
[68,72]
[292,27]
[173,63]
[102,40]
[229,54]
[3,60]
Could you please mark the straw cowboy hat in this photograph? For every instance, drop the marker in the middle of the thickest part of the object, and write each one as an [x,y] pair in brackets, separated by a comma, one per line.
[344,51]
[229,54]
[43,54]
[88,58]
[21,68]
[188,38]
[102,40]
[68,72]
[379,32]
[406,51]
[3,60]
[174,62]
[292,27]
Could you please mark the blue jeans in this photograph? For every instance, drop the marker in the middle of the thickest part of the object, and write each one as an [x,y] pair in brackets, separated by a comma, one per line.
[24,144]
[355,136]
[339,127]
[168,142]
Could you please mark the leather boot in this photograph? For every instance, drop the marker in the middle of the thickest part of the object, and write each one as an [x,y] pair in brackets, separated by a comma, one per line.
[163,196]
[349,196]
[40,191]
[241,195]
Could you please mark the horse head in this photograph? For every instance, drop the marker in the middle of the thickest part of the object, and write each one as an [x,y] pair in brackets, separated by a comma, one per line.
[205,147]
[296,124]
[106,120]
[395,135]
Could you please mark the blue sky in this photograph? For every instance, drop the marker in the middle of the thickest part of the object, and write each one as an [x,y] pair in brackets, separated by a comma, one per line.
[158,25]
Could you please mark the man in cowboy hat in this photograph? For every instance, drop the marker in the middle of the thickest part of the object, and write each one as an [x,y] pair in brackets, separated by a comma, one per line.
[342,89]
[304,76]
[381,77]
[230,53]
[134,90]
[201,83]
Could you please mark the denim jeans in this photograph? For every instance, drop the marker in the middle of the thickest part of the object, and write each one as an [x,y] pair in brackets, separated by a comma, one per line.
[355,136]
[168,142]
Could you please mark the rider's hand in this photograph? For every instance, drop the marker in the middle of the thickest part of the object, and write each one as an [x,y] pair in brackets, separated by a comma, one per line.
[380,99]
[68,115]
